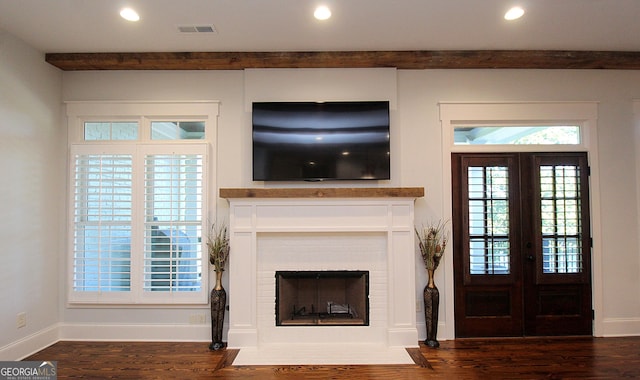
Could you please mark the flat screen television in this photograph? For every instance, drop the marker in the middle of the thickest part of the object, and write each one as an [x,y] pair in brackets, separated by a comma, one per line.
[321,141]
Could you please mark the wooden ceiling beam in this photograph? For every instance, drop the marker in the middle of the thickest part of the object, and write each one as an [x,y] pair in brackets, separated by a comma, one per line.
[405,60]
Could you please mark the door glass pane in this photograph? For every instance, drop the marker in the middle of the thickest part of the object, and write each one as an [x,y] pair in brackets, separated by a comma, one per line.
[489,251]
[560,218]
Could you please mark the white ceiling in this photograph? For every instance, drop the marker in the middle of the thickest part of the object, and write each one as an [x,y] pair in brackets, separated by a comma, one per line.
[68,26]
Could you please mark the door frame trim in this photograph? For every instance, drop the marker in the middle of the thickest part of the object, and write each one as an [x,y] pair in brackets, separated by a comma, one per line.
[584,114]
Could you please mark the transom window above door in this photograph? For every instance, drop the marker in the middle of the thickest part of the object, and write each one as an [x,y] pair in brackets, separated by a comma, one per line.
[518,126]
[517,135]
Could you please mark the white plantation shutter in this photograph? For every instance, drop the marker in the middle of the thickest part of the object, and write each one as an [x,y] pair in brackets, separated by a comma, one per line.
[102,220]
[173,222]
[137,223]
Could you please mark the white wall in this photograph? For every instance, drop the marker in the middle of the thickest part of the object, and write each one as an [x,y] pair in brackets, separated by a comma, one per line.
[32,172]
[31,136]
[416,142]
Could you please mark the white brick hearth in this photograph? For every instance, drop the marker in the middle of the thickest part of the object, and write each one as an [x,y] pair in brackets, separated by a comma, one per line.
[322,229]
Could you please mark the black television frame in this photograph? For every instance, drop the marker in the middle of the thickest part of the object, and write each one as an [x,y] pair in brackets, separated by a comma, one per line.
[309,141]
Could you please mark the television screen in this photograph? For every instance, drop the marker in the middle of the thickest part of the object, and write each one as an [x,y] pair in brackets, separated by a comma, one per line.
[319,141]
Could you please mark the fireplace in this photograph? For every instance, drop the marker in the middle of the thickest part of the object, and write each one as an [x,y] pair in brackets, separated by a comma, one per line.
[322,298]
[366,234]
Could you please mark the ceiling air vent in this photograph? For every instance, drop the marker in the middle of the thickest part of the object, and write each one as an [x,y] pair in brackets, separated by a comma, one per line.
[196,29]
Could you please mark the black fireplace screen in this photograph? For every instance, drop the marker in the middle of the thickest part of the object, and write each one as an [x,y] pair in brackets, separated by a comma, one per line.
[322,298]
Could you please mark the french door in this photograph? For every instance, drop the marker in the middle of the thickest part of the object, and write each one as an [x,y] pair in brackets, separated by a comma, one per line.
[522,247]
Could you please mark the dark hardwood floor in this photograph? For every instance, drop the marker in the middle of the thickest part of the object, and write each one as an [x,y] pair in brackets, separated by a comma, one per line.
[517,358]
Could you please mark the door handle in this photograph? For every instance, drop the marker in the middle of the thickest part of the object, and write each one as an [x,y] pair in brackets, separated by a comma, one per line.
[530,258]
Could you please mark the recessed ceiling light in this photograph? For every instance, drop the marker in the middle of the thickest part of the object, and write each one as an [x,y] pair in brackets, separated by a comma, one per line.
[514,13]
[322,13]
[129,14]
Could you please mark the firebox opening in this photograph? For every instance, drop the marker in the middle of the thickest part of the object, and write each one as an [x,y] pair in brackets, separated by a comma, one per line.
[322,298]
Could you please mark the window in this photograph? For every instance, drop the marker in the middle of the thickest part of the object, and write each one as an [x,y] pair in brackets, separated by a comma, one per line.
[517,134]
[177,130]
[560,221]
[102,222]
[561,218]
[138,209]
[488,199]
[173,220]
[110,130]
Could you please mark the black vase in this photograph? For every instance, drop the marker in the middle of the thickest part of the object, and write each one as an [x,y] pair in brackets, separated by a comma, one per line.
[431,305]
[218,306]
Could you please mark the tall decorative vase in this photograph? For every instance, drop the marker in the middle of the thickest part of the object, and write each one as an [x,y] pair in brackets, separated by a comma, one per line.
[218,305]
[431,304]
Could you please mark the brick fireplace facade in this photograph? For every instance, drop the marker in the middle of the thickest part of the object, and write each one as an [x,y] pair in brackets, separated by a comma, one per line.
[322,229]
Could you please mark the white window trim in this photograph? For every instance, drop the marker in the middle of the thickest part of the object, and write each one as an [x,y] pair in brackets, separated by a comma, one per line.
[143,111]
[583,114]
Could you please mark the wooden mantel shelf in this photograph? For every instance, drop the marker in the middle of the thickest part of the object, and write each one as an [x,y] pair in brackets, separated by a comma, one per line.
[323,192]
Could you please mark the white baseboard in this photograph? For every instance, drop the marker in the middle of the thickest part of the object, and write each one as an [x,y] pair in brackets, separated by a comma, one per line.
[611,327]
[243,338]
[31,344]
[136,333]
[620,327]
[402,337]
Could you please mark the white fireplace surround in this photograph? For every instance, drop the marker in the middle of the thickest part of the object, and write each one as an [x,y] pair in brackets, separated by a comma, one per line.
[322,229]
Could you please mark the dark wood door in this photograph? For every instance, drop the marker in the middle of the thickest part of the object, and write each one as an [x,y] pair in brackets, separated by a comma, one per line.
[521,244]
